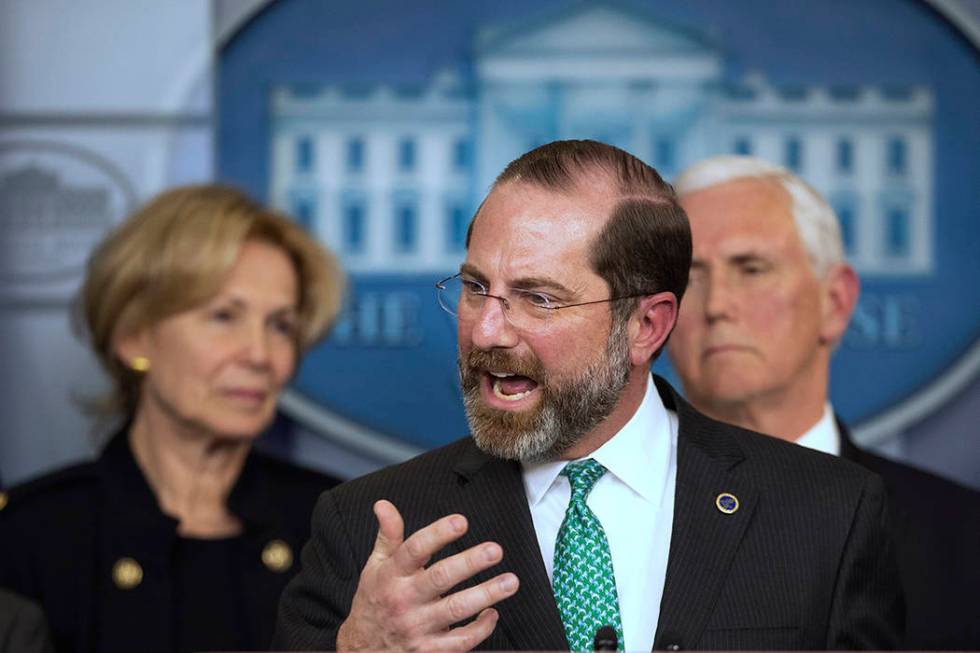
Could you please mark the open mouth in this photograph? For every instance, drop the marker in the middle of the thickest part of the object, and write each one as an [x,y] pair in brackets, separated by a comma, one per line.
[511,387]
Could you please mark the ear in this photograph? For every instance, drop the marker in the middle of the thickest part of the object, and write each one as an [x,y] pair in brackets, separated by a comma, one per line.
[841,288]
[130,345]
[651,323]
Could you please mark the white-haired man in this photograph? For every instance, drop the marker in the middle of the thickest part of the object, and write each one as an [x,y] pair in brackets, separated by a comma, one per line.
[770,295]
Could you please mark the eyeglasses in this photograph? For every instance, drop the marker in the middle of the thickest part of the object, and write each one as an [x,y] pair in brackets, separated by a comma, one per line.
[464,298]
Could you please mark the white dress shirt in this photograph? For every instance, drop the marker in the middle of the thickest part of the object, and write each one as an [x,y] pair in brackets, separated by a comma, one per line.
[823,436]
[634,501]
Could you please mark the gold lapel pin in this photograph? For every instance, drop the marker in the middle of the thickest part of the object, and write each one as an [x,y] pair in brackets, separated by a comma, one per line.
[277,556]
[726,502]
[127,573]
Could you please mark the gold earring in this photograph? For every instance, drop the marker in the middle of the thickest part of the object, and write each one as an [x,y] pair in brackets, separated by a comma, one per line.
[140,364]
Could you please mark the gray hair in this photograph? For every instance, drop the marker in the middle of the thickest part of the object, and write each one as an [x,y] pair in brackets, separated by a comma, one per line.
[815,220]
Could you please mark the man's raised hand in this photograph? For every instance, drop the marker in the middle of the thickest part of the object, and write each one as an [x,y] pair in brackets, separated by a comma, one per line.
[400,604]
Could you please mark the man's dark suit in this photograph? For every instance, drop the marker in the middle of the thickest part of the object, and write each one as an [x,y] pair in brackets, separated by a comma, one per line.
[804,563]
[936,533]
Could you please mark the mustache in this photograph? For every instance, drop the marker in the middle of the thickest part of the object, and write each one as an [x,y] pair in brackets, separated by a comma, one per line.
[475,361]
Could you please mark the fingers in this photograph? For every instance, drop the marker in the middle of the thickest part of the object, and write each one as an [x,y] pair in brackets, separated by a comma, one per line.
[462,605]
[468,637]
[401,604]
[416,551]
[446,574]
[391,528]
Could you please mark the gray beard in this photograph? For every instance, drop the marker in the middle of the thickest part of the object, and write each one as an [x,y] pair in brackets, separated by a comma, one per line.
[567,411]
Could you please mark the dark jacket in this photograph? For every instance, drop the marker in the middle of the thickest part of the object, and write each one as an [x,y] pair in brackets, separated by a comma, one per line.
[804,562]
[935,526]
[90,544]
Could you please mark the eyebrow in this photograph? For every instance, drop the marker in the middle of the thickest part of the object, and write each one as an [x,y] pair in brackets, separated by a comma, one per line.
[541,282]
[740,257]
[471,271]
[237,302]
[523,282]
[748,257]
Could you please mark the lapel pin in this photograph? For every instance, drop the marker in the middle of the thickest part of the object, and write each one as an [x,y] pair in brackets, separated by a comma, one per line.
[277,556]
[127,573]
[726,503]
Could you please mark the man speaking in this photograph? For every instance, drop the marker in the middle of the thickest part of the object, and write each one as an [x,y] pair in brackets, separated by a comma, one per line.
[769,296]
[588,498]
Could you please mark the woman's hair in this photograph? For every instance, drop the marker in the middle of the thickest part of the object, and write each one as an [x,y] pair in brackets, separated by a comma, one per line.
[174,254]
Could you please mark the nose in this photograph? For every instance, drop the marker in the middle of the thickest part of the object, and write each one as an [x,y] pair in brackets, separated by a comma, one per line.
[718,300]
[255,345]
[490,328]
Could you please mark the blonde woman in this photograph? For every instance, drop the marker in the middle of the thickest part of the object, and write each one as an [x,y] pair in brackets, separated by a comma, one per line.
[180,537]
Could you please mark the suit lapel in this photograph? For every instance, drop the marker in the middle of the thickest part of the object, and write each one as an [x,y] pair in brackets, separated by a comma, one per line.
[491,496]
[704,539]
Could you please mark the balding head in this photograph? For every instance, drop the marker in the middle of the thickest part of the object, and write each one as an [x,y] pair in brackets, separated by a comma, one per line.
[645,245]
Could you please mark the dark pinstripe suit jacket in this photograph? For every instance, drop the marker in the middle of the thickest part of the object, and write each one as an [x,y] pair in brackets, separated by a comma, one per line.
[804,563]
[936,532]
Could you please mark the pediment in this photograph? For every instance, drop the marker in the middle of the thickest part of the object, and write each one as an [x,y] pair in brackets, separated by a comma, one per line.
[591,30]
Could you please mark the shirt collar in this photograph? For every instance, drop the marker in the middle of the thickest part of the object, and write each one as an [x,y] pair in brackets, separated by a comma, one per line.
[638,455]
[823,435]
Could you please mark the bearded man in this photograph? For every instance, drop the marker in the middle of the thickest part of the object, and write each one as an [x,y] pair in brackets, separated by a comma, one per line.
[590,502]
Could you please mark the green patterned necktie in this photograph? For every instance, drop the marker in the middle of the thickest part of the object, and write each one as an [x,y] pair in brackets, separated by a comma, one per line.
[584,584]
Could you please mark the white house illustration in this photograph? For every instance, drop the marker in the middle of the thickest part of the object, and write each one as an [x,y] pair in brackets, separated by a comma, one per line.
[48,225]
[389,177]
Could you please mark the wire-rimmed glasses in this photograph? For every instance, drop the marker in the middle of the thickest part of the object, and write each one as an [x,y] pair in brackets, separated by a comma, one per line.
[464,298]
